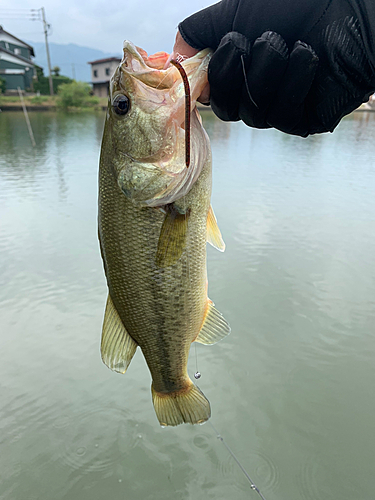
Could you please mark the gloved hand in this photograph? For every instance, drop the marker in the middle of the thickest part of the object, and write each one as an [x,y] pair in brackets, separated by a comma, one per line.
[271,78]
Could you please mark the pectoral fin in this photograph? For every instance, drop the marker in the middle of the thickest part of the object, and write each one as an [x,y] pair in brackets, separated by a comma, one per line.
[215,326]
[117,348]
[172,239]
[213,232]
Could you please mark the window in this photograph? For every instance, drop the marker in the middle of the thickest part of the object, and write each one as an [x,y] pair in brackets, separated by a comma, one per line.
[107,71]
[95,72]
[17,51]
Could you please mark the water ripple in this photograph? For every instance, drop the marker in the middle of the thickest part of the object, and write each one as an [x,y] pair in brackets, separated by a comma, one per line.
[96,439]
[307,480]
[265,471]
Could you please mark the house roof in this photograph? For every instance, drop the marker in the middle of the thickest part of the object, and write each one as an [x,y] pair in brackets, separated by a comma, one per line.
[107,59]
[2,30]
[16,56]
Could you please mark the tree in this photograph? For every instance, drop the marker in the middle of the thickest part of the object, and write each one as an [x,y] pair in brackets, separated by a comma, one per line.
[39,72]
[75,95]
[42,85]
[56,70]
[3,85]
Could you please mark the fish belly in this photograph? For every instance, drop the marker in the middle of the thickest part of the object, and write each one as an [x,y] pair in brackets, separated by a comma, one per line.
[162,309]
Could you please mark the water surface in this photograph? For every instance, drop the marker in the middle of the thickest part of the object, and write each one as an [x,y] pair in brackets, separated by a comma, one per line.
[291,389]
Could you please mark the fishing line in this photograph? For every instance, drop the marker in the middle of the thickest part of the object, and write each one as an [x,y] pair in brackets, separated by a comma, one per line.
[161,81]
[246,83]
[252,484]
[181,58]
[177,64]
[197,373]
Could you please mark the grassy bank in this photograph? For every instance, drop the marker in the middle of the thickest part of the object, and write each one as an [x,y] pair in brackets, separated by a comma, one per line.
[43,102]
[48,103]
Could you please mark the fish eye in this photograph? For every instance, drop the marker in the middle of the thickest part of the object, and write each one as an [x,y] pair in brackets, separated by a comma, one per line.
[121,104]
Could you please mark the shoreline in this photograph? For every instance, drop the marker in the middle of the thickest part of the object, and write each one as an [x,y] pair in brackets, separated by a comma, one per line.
[46,107]
[366,107]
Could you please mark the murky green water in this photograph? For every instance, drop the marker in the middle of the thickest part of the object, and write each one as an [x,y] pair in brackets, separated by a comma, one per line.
[292,389]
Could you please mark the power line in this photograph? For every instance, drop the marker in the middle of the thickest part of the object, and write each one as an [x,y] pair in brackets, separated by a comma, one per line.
[19,17]
[19,13]
[32,15]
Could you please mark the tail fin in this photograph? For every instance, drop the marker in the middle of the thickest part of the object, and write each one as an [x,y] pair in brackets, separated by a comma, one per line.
[189,405]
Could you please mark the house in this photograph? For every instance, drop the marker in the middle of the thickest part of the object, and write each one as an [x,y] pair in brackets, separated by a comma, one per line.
[16,65]
[101,72]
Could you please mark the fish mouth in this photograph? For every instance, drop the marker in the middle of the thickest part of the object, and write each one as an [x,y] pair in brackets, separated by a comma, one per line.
[150,68]
[155,173]
[147,68]
[155,88]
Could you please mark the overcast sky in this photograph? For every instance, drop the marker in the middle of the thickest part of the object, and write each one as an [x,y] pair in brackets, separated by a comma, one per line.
[150,24]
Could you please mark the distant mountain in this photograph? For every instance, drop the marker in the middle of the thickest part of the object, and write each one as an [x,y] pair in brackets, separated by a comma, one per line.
[71,58]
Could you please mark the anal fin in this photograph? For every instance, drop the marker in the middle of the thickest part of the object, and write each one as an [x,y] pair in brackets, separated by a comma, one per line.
[214,237]
[215,327]
[117,347]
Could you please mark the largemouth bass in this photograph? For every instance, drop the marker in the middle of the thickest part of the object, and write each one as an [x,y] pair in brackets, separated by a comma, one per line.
[154,220]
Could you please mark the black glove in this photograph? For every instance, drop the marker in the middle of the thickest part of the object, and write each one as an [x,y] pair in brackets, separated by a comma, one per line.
[278,81]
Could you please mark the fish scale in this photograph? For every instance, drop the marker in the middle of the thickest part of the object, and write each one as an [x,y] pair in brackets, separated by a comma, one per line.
[155,256]
[152,302]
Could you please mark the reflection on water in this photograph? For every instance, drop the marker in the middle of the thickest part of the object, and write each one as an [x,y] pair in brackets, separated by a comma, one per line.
[290,389]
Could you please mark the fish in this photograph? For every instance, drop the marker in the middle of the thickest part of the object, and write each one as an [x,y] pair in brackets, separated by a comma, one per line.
[154,220]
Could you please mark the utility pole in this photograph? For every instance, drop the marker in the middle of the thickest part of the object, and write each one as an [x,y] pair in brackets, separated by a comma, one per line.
[31,15]
[46,26]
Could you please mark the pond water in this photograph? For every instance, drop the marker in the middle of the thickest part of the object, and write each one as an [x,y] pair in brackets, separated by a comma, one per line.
[291,389]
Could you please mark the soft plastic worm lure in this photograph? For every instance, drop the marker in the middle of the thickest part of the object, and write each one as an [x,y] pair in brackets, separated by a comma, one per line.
[187,109]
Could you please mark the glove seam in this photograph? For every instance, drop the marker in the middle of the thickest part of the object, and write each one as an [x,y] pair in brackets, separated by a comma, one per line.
[320,18]
[235,14]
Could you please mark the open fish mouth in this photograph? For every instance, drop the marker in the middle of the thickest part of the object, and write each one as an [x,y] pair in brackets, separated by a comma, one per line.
[145,68]
[155,61]
[152,139]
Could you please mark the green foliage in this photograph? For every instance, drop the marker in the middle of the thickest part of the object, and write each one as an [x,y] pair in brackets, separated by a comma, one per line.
[39,71]
[56,70]
[75,95]
[39,99]
[42,85]
[3,85]
[9,99]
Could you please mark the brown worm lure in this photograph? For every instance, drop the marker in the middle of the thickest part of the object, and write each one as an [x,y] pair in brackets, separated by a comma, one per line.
[187,109]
